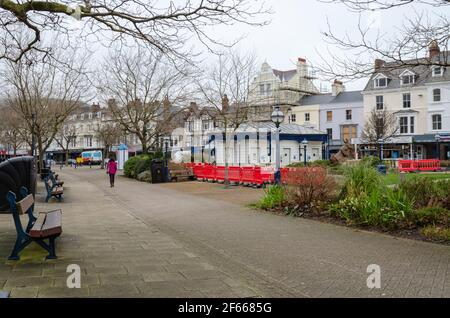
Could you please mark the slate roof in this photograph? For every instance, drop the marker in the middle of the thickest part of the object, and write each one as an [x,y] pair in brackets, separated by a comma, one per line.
[423,72]
[343,97]
[288,129]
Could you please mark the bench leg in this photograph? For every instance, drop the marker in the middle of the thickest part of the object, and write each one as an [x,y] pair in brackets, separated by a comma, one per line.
[60,197]
[18,247]
[52,248]
[47,198]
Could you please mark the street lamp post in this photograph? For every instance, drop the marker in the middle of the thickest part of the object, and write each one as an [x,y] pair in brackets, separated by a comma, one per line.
[277,118]
[166,165]
[380,142]
[304,143]
[438,138]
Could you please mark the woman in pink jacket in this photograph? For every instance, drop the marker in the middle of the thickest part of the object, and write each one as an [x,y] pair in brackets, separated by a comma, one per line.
[111,169]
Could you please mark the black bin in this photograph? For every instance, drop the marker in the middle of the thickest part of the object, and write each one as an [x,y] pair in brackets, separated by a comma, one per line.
[381,169]
[157,168]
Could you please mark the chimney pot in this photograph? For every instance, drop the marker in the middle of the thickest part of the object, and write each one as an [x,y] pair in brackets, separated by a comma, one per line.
[433,49]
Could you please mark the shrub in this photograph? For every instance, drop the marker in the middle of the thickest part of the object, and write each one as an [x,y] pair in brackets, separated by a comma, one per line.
[431,215]
[129,166]
[436,233]
[274,197]
[360,179]
[372,161]
[143,164]
[312,191]
[427,192]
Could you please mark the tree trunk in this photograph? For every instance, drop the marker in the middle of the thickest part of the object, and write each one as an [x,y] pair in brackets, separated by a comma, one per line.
[41,154]
[226,179]
[67,156]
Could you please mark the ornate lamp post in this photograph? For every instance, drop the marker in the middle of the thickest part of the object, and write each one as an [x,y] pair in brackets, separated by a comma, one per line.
[277,118]
[304,143]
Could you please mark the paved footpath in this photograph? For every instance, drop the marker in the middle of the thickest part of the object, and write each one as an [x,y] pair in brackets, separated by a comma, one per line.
[175,240]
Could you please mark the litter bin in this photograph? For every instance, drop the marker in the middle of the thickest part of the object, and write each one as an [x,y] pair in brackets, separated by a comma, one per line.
[381,169]
[157,168]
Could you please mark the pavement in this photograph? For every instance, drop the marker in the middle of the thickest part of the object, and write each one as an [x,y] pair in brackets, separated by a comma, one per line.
[201,240]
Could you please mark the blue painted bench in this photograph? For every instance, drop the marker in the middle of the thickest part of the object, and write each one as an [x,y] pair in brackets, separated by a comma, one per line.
[47,225]
[53,188]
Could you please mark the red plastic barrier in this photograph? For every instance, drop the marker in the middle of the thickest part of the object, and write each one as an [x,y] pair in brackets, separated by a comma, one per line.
[234,174]
[247,175]
[406,165]
[420,165]
[209,172]
[257,176]
[429,165]
[267,174]
[220,173]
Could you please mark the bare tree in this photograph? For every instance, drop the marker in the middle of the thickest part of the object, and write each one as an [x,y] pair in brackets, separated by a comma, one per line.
[406,47]
[165,26]
[226,87]
[137,85]
[43,94]
[380,125]
[12,130]
[107,133]
[65,136]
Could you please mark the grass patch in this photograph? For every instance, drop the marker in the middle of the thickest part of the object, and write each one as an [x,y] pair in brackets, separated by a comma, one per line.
[436,233]
[273,198]
[394,178]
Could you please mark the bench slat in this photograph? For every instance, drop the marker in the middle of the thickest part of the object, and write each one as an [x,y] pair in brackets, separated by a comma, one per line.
[25,204]
[37,227]
[52,225]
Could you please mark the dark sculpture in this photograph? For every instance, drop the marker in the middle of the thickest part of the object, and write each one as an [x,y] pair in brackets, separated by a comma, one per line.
[16,173]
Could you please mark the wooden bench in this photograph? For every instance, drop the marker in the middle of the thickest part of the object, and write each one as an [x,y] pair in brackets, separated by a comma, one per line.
[47,225]
[55,179]
[53,189]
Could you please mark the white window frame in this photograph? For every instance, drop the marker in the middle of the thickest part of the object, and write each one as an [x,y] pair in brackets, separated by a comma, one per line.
[410,75]
[382,102]
[433,94]
[441,71]
[377,78]
[409,119]
[406,100]
[432,122]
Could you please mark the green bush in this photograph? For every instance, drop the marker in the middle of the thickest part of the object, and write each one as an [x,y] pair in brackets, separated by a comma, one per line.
[274,197]
[427,192]
[372,161]
[360,179]
[129,166]
[143,164]
[431,215]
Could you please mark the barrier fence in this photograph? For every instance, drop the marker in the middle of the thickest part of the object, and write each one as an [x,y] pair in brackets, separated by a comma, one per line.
[256,176]
[419,165]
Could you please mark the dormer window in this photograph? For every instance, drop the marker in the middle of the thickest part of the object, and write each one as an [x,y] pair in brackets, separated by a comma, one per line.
[407,77]
[437,71]
[380,81]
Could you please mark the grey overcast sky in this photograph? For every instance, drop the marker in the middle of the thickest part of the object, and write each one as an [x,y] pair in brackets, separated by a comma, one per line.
[295,30]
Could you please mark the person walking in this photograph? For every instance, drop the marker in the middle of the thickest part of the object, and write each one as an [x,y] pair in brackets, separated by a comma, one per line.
[111,169]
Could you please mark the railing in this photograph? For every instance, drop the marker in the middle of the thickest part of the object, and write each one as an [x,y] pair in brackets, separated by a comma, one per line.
[419,165]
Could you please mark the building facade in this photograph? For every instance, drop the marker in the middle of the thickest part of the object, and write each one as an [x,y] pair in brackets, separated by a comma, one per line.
[417,94]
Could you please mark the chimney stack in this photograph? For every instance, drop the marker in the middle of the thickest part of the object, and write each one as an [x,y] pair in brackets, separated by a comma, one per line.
[378,64]
[225,103]
[337,87]
[433,49]
[166,104]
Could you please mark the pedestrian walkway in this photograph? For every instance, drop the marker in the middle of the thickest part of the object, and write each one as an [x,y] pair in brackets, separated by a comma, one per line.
[119,255]
[189,240]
